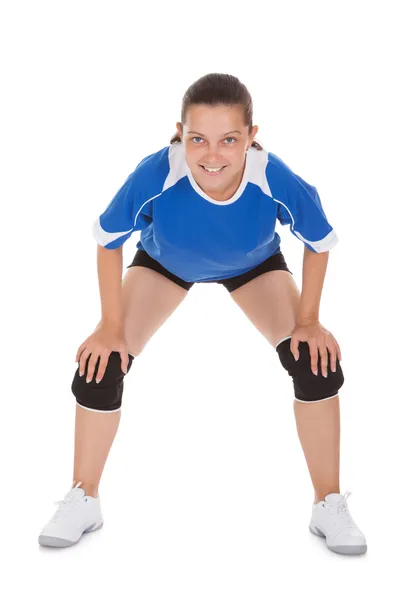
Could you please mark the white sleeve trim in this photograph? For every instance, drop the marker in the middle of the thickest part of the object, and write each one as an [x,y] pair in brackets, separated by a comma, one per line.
[103,238]
[327,243]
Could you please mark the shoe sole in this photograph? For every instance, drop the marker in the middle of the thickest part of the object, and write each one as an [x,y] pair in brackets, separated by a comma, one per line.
[349,550]
[55,542]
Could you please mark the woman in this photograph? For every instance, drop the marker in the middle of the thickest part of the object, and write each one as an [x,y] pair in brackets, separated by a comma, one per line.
[206,206]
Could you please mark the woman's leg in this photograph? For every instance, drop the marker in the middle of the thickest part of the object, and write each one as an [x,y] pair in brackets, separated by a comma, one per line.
[271,302]
[149,299]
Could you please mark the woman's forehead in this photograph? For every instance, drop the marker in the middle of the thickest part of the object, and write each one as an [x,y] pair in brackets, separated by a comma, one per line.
[201,118]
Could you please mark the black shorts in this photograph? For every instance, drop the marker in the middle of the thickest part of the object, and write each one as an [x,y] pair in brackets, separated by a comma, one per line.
[276,262]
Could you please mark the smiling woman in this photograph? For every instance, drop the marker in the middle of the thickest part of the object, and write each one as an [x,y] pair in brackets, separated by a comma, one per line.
[216,159]
[207,206]
[216,131]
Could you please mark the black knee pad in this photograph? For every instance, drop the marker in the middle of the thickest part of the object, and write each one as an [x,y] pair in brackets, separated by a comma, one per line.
[307,386]
[107,394]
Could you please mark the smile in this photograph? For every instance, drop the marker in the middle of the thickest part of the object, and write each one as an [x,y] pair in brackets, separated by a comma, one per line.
[213,171]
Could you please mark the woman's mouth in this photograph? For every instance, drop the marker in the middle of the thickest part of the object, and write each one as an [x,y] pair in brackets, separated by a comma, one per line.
[213,171]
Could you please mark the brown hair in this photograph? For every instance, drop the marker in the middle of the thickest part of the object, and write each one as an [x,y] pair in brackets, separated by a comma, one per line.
[217,89]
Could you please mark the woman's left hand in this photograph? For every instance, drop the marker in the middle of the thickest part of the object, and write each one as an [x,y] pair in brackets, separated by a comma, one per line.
[319,340]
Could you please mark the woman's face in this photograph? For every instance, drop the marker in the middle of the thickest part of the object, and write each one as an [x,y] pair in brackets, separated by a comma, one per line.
[216,137]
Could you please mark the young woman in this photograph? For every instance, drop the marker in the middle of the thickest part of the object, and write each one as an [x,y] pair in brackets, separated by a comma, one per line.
[206,206]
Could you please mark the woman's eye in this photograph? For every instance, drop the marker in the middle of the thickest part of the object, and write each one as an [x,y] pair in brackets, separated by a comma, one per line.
[199,138]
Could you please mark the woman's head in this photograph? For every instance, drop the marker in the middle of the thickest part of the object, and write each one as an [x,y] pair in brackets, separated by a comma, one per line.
[216,129]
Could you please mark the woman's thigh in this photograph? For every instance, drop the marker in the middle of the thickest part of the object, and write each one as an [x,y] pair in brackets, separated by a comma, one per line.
[149,298]
[271,302]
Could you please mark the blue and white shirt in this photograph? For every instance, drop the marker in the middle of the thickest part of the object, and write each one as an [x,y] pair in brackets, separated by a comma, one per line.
[201,239]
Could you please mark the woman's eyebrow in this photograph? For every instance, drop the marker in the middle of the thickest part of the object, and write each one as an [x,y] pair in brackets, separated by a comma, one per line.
[201,135]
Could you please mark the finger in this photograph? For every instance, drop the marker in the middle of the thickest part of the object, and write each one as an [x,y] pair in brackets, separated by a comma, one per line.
[324,358]
[314,355]
[102,367]
[294,347]
[79,351]
[338,350]
[82,361]
[124,361]
[92,365]
[332,355]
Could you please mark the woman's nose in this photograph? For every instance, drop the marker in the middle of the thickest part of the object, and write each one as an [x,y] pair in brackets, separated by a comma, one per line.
[213,155]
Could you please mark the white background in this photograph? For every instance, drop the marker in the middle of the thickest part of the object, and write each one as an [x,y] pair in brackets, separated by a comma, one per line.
[206,492]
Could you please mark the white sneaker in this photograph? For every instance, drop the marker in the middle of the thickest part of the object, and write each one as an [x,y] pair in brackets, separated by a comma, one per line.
[77,514]
[331,519]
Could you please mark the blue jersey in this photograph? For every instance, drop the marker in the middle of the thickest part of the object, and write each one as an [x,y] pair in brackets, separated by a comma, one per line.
[201,239]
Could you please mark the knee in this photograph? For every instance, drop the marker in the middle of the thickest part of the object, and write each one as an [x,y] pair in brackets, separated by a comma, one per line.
[105,396]
[307,386]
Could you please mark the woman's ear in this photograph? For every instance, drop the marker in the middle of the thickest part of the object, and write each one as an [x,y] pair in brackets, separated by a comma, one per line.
[179,128]
[254,132]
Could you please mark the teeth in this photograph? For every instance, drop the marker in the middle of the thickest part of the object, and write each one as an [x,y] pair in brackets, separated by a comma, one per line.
[213,170]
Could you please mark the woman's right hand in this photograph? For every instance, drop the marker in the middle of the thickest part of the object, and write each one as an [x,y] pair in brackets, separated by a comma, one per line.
[104,340]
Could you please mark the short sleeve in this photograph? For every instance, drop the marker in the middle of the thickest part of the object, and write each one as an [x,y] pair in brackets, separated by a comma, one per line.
[299,206]
[127,212]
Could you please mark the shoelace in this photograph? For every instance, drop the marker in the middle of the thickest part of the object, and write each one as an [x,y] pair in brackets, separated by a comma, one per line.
[341,512]
[66,504]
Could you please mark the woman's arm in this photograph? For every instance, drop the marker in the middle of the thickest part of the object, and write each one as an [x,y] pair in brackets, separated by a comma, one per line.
[314,269]
[109,270]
